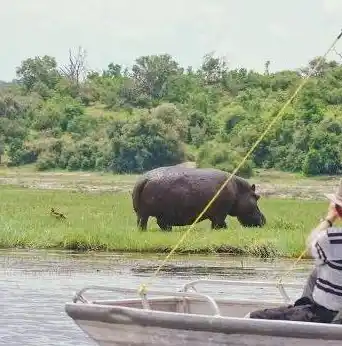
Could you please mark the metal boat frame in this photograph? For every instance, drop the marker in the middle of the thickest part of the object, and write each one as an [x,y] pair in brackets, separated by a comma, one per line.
[194,315]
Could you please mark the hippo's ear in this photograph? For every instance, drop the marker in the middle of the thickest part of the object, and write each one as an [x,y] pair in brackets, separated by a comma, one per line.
[253,187]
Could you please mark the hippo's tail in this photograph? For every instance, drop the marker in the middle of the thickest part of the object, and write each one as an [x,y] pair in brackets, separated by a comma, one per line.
[138,188]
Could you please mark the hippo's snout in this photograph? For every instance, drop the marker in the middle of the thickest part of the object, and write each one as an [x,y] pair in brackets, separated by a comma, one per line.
[255,220]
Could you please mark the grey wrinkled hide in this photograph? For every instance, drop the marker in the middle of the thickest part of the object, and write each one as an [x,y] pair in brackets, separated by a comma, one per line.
[176,195]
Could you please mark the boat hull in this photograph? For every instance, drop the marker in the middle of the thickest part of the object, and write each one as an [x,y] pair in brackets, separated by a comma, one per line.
[126,326]
[193,319]
[106,334]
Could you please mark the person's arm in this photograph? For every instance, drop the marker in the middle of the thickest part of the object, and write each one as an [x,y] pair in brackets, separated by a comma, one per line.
[317,241]
[322,226]
[318,247]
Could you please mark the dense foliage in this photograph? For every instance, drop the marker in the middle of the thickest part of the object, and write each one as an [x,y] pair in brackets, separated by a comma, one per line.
[159,113]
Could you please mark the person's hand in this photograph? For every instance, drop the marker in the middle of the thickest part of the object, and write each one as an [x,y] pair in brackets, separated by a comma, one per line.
[332,214]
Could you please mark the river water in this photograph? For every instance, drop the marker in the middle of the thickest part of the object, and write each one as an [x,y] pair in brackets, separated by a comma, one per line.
[35,285]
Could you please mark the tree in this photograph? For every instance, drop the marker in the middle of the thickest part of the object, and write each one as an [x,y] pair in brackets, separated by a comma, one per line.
[158,113]
[38,70]
[213,70]
[113,71]
[153,73]
[75,70]
[267,67]
[321,69]
[2,147]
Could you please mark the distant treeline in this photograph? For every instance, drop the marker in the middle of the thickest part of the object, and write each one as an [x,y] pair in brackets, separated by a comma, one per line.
[159,113]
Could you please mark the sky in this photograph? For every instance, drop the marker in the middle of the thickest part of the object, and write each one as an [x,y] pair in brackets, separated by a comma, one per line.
[246,32]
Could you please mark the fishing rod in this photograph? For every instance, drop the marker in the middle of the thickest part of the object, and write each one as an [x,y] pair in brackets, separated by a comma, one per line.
[143,287]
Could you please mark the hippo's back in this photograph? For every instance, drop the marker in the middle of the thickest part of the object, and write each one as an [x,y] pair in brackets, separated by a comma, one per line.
[167,172]
[181,193]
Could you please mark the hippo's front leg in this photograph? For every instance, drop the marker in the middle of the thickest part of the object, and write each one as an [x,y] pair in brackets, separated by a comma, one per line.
[218,222]
[164,226]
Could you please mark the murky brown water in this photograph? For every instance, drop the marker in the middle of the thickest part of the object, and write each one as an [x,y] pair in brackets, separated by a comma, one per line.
[35,286]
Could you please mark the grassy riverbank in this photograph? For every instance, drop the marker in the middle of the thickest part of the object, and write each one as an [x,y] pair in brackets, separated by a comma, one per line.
[105,221]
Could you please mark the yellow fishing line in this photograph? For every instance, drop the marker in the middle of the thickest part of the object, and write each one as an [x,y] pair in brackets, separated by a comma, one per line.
[143,287]
[293,266]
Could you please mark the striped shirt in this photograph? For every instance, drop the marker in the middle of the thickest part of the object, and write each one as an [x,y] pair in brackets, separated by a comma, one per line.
[326,249]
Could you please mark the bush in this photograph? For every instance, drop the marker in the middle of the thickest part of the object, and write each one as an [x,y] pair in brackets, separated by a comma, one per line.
[146,142]
[221,156]
[312,164]
[46,161]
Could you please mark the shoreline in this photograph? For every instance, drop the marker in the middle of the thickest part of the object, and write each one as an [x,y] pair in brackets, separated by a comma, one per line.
[240,252]
[104,222]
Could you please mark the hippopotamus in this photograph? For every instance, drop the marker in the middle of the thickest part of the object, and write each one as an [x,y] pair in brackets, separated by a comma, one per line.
[176,195]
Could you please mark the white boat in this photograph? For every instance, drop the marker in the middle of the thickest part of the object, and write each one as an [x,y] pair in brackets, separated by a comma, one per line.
[187,317]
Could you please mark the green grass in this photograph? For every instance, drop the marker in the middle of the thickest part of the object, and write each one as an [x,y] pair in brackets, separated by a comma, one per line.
[106,221]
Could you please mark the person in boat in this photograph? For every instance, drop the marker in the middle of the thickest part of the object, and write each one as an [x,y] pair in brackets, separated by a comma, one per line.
[321,300]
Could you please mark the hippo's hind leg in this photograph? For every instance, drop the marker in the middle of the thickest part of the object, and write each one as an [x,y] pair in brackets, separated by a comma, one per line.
[142,222]
[164,226]
[218,222]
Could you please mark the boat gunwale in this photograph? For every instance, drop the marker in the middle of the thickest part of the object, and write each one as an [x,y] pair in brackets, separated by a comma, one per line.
[112,302]
[78,296]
